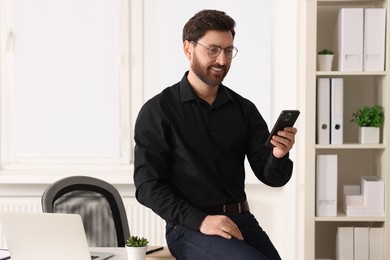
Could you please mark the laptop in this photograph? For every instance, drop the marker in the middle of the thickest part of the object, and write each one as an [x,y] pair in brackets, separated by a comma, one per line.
[46,236]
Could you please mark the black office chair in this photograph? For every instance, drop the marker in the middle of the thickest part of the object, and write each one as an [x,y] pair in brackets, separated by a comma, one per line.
[99,204]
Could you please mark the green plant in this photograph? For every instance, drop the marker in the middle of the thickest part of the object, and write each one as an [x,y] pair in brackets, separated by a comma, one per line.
[369,116]
[135,241]
[325,51]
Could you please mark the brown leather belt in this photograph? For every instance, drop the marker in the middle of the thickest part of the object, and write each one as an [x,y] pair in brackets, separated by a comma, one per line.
[240,207]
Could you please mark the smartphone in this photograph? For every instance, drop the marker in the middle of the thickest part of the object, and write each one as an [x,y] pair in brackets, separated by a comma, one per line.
[286,118]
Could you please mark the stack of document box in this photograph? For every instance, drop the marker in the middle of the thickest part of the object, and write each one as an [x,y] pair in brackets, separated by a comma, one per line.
[365,200]
[365,243]
[361,34]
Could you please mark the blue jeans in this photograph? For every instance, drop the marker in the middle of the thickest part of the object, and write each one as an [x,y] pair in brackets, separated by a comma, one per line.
[185,243]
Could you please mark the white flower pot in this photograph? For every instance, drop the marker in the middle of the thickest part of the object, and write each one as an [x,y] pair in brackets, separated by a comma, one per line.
[136,253]
[369,135]
[325,62]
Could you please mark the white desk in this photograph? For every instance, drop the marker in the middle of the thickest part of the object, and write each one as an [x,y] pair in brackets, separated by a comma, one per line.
[121,254]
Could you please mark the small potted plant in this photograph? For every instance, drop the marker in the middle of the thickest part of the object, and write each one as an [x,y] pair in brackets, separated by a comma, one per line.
[369,119]
[136,247]
[325,60]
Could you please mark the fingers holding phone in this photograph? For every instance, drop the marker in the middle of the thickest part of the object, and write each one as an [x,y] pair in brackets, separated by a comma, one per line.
[283,141]
[282,135]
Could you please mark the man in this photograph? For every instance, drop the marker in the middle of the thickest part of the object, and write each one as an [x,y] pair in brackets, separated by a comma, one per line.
[191,143]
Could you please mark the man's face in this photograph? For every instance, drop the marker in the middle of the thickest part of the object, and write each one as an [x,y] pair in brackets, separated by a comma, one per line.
[211,71]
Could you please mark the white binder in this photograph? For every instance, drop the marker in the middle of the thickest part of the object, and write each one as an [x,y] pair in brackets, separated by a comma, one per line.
[326,181]
[377,243]
[350,39]
[336,110]
[361,243]
[344,243]
[374,39]
[323,111]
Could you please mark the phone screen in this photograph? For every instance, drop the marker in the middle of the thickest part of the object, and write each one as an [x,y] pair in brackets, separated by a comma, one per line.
[286,118]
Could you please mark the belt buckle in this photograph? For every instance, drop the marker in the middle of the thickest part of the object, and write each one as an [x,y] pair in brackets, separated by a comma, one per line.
[224,208]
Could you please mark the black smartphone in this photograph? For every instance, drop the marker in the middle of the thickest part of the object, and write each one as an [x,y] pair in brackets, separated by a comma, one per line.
[286,118]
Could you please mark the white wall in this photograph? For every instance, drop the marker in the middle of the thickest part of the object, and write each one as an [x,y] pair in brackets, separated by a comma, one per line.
[165,62]
[277,208]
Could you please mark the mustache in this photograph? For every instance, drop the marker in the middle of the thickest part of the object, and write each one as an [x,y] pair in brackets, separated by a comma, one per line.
[218,66]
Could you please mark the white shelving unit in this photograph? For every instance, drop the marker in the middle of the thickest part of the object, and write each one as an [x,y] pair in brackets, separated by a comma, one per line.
[354,159]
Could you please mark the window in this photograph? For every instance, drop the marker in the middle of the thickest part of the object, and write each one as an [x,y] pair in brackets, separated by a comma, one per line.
[65,91]
[74,74]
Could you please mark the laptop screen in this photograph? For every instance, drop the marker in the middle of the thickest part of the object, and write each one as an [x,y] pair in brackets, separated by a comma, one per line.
[45,236]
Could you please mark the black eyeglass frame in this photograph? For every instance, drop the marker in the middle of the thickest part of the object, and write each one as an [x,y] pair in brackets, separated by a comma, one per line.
[218,50]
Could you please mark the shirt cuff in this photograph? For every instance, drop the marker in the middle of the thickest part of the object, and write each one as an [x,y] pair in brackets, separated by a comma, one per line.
[194,219]
[279,161]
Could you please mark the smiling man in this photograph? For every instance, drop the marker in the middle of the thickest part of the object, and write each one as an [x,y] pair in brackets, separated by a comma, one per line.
[191,143]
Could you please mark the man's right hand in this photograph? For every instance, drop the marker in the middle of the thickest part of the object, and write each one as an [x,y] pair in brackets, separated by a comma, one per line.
[220,225]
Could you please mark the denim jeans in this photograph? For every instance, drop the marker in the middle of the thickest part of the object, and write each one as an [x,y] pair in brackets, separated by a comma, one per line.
[185,243]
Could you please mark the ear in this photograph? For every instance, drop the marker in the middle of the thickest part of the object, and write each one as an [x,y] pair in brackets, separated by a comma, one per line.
[187,48]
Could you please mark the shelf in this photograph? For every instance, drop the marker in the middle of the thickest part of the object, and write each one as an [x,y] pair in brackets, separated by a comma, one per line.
[350,146]
[346,2]
[354,159]
[351,73]
[341,217]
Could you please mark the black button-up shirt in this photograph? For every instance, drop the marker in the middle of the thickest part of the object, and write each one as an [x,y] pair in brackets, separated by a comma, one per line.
[189,155]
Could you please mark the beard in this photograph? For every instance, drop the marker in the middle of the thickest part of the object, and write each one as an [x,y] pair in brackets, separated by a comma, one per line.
[204,72]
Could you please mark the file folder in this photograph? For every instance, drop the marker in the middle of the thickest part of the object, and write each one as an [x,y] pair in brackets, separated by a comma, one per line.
[374,39]
[337,110]
[350,39]
[373,189]
[323,111]
[377,243]
[344,243]
[361,243]
[326,181]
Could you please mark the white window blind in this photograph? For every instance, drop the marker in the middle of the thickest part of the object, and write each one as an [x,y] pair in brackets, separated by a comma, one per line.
[65,86]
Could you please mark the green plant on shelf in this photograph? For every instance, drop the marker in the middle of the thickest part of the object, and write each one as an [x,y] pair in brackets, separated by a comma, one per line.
[369,116]
[325,52]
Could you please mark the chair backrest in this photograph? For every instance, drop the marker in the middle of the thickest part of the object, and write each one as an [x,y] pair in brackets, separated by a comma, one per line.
[99,204]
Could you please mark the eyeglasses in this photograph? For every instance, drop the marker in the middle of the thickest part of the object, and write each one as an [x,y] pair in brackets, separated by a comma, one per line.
[213,51]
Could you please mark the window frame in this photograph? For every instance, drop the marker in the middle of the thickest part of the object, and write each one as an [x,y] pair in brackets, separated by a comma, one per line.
[13,169]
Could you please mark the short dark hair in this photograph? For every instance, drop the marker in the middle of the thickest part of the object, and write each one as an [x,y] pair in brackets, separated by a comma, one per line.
[207,20]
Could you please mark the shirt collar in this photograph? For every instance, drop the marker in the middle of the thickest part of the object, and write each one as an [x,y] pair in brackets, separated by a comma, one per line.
[187,93]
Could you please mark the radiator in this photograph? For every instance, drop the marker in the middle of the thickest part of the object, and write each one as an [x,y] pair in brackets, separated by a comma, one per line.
[142,221]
